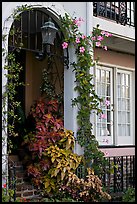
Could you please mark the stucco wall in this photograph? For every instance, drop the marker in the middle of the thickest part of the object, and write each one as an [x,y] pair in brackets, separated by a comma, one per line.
[115,58]
[118,151]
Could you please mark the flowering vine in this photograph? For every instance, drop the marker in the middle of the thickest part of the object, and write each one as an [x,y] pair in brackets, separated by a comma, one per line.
[87,100]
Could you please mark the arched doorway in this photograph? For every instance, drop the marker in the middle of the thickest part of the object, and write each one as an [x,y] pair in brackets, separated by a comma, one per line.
[28,35]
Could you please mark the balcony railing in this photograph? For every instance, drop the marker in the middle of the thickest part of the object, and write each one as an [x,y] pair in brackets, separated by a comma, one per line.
[120,12]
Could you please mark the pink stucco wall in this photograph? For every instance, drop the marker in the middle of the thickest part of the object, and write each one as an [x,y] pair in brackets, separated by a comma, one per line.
[118,151]
[115,58]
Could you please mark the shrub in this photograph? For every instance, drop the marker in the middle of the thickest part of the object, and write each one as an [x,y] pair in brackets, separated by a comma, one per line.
[129,195]
[53,164]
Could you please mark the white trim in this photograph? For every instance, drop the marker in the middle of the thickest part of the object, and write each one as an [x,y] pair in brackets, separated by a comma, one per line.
[128,140]
[115,104]
[119,69]
[110,138]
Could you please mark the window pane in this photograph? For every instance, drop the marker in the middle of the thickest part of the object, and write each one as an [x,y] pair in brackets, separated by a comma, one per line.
[108,90]
[119,117]
[119,91]
[123,104]
[99,88]
[108,130]
[98,130]
[118,78]
[128,117]
[122,79]
[108,76]
[98,75]
[127,104]
[128,130]
[103,76]
[123,91]
[127,79]
[119,103]
[127,92]
[104,87]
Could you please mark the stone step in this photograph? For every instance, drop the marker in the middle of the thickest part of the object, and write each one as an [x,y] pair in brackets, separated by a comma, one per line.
[24,188]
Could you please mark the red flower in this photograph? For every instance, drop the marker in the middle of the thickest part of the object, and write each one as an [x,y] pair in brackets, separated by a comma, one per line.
[4,185]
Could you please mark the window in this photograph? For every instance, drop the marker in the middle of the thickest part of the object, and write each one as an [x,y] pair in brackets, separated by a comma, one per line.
[114,125]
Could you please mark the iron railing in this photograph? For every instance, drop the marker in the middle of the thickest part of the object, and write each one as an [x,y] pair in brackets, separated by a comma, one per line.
[119,176]
[120,12]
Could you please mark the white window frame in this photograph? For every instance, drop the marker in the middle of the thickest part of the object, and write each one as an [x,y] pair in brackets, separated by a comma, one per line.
[118,140]
[106,140]
[123,140]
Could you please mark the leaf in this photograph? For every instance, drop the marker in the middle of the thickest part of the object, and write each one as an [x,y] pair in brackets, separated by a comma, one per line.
[64,169]
[47,184]
[62,175]
[53,159]
[59,165]
[56,172]
[48,189]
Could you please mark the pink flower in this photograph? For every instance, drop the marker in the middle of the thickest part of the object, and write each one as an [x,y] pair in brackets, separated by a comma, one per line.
[103,32]
[98,44]
[107,102]
[81,19]
[78,21]
[64,45]
[105,47]
[93,38]
[77,40]
[82,49]
[100,38]
[83,37]
[103,116]
[107,34]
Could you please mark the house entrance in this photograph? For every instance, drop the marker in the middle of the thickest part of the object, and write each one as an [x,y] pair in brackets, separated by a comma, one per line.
[42,77]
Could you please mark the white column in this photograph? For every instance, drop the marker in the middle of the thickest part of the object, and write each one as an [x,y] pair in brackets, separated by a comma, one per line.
[4,128]
[70,113]
[89,13]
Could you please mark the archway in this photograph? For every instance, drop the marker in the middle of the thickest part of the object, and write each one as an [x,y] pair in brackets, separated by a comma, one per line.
[28,35]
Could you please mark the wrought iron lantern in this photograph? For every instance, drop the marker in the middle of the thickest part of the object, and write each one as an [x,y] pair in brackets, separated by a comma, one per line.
[48,32]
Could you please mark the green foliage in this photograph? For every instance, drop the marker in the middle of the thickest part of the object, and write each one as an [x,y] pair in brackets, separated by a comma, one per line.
[129,195]
[12,72]
[7,194]
[87,190]
[87,100]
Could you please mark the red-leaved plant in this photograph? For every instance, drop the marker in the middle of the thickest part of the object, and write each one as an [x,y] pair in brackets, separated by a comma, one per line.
[47,128]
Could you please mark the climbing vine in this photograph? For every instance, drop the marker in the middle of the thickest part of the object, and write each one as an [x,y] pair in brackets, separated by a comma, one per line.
[12,74]
[87,100]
